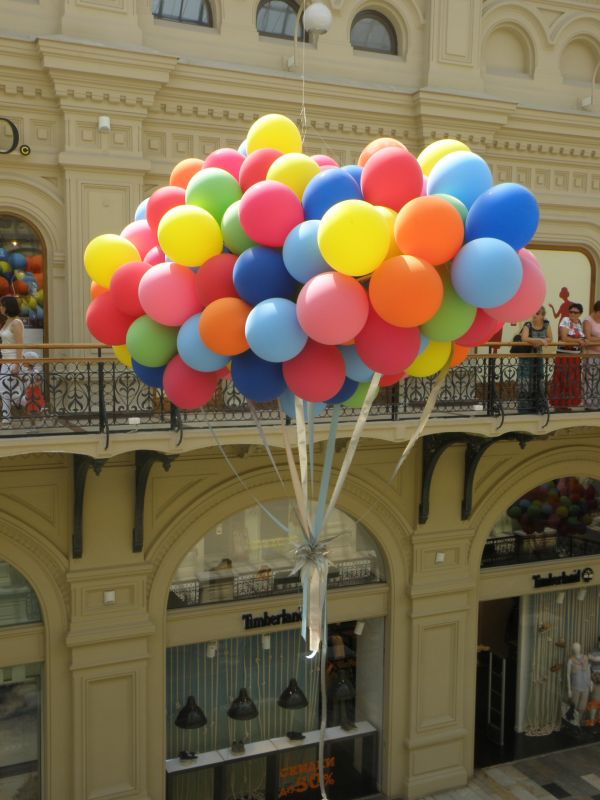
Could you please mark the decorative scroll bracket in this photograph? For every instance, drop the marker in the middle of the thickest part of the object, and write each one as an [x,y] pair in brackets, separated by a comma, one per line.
[144,460]
[81,467]
[434,446]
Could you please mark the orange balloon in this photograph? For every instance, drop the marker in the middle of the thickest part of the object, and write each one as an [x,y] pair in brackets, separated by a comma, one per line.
[35,263]
[459,353]
[184,171]
[4,287]
[96,290]
[21,287]
[222,326]
[429,228]
[375,145]
[406,291]
[39,279]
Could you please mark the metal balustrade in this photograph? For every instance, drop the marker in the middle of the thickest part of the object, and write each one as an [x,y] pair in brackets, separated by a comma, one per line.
[82,390]
[524,548]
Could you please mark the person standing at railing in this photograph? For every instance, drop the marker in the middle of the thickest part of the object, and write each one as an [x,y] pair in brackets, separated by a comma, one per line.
[12,332]
[591,366]
[530,375]
[565,388]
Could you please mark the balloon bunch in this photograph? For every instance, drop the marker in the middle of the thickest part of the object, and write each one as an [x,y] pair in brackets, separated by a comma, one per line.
[566,505]
[297,277]
[23,276]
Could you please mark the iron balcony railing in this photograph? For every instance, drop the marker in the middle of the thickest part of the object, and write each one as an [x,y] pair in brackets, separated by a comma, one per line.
[81,390]
[523,548]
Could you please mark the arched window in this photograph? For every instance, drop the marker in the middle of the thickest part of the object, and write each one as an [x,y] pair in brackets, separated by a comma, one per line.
[18,601]
[278,18]
[198,12]
[508,51]
[373,32]
[22,272]
[248,555]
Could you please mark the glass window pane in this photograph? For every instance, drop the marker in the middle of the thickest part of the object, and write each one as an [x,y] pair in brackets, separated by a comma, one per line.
[277,18]
[22,263]
[195,11]
[20,713]
[18,601]
[372,32]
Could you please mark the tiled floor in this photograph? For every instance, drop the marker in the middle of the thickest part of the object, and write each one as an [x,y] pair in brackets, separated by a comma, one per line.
[573,774]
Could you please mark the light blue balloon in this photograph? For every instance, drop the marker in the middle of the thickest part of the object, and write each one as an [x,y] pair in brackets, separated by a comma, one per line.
[355,366]
[140,212]
[424,343]
[301,254]
[288,403]
[486,272]
[462,174]
[273,331]
[243,148]
[193,351]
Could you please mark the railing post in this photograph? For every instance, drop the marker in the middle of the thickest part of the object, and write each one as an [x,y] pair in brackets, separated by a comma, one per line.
[102,418]
[491,385]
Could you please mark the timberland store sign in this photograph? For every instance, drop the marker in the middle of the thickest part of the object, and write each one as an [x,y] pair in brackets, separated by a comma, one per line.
[9,138]
[265,620]
[559,579]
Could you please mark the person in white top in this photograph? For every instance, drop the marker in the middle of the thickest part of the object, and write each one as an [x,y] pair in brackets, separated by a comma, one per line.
[591,364]
[12,333]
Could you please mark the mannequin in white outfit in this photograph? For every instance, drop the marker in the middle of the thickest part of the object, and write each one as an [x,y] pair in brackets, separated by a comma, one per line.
[579,679]
[12,332]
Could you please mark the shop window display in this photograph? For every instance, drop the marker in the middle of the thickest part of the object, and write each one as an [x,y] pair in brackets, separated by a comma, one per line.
[20,705]
[22,263]
[249,555]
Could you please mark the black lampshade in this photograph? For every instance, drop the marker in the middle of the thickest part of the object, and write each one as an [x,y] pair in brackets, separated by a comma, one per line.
[191,715]
[342,688]
[292,697]
[242,707]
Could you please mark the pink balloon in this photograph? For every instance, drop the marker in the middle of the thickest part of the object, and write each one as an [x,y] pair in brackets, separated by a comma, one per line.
[215,279]
[386,348]
[186,387]
[325,161]
[530,295]
[424,189]
[155,256]
[268,212]
[140,234]
[167,293]
[332,308]
[106,322]
[391,177]
[317,373]
[124,287]
[161,201]
[226,158]
[480,331]
[256,166]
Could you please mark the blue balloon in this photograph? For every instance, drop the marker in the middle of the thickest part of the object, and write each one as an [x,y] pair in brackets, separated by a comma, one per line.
[345,393]
[140,212]
[260,273]
[193,351]
[243,148]
[328,188]
[356,369]
[486,272]
[423,344]
[462,174]
[17,261]
[3,254]
[151,376]
[507,211]
[258,380]
[288,403]
[301,254]
[273,331]
[354,170]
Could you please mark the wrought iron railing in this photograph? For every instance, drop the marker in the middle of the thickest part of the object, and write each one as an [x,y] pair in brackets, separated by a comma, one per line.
[523,548]
[83,390]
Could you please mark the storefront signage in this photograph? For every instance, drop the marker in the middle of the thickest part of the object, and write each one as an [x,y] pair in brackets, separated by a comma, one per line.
[266,620]
[14,139]
[306,777]
[576,576]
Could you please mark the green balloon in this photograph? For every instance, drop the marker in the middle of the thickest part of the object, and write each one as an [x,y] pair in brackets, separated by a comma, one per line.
[454,201]
[214,190]
[358,398]
[150,343]
[235,237]
[454,316]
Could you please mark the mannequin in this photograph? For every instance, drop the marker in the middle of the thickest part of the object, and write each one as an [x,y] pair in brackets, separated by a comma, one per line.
[579,680]
[594,704]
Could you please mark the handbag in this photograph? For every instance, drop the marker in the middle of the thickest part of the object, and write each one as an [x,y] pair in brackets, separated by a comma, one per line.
[520,348]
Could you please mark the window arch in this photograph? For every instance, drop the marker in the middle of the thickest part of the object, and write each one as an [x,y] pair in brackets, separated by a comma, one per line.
[372,31]
[277,18]
[22,272]
[196,12]
[579,59]
[18,601]
[508,51]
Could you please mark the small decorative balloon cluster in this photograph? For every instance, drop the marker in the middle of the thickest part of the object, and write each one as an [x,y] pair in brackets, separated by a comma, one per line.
[566,504]
[294,276]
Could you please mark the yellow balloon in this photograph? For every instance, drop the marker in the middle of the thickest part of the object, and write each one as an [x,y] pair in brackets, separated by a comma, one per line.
[353,237]
[389,216]
[190,235]
[431,360]
[123,354]
[105,254]
[294,170]
[435,151]
[274,130]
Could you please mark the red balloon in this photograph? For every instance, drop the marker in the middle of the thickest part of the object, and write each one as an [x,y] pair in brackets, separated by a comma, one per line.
[480,331]
[161,201]
[226,158]
[530,295]
[390,380]
[256,166]
[386,348]
[391,177]
[124,287]
[167,294]
[268,212]
[141,235]
[317,373]
[215,279]
[106,322]
[186,387]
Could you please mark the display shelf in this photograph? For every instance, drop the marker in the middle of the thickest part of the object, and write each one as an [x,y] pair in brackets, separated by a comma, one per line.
[174,765]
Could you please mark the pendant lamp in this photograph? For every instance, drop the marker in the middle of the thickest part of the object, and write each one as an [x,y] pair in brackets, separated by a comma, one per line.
[293,698]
